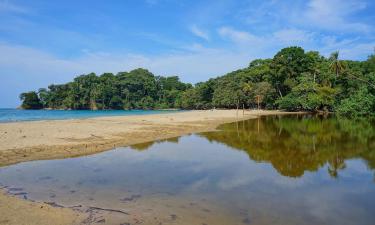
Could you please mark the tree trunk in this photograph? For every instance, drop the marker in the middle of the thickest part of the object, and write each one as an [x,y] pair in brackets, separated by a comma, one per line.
[238,102]
[278,89]
[314,77]
[369,83]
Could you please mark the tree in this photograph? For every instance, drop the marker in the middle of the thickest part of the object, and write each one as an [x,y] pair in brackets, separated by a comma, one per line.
[361,103]
[263,92]
[247,90]
[292,80]
[286,66]
[190,99]
[369,64]
[115,102]
[43,96]
[30,100]
[336,65]
[228,93]
[308,95]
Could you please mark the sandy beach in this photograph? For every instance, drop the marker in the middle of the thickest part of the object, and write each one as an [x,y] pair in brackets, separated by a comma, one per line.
[52,139]
[38,140]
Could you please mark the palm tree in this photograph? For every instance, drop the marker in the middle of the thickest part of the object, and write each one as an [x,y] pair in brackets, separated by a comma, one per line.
[336,66]
[336,164]
[247,88]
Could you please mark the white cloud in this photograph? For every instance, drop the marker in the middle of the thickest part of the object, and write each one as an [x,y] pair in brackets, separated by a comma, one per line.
[239,37]
[260,12]
[293,35]
[7,7]
[348,16]
[26,68]
[349,48]
[193,65]
[333,15]
[357,50]
[276,40]
[332,42]
[199,33]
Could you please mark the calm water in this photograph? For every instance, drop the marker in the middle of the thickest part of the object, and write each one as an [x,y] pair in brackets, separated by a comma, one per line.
[11,115]
[273,170]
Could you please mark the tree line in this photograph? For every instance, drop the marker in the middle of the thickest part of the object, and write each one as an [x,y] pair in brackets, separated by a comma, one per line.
[137,89]
[292,80]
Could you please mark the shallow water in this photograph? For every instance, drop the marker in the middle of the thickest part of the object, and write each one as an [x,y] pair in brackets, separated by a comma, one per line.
[13,115]
[273,170]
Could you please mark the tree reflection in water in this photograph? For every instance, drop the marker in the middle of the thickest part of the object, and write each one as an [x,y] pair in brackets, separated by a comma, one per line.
[295,144]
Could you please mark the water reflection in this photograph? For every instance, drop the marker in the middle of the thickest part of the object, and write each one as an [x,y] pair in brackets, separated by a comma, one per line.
[272,170]
[294,145]
[147,145]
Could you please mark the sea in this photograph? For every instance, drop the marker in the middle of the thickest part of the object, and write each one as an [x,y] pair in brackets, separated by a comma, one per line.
[14,115]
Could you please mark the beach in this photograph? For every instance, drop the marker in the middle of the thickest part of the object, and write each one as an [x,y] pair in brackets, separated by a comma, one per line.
[55,139]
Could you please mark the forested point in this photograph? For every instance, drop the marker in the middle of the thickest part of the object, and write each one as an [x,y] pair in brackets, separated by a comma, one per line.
[293,80]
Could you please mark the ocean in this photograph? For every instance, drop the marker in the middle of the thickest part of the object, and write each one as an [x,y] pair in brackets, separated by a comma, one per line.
[13,115]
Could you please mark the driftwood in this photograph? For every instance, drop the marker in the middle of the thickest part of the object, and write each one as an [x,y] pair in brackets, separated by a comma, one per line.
[54,204]
[108,210]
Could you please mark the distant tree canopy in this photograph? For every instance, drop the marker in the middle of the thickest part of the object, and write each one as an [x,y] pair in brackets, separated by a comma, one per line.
[30,100]
[292,80]
[137,89]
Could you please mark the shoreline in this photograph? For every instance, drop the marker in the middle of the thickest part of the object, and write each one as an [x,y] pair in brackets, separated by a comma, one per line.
[124,113]
[57,139]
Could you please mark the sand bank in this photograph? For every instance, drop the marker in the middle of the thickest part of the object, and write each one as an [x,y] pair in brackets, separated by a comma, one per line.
[36,140]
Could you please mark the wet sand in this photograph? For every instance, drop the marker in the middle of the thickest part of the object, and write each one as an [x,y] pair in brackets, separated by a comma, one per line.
[14,210]
[37,140]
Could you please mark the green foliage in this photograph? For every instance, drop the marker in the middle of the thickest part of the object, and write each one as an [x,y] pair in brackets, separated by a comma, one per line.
[308,95]
[115,102]
[138,89]
[292,80]
[295,146]
[228,93]
[286,66]
[30,100]
[369,65]
[361,103]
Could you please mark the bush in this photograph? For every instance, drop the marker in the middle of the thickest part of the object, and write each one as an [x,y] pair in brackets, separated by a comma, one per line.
[289,103]
[361,103]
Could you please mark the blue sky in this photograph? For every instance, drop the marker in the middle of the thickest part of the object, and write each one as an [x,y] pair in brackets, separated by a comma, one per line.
[44,42]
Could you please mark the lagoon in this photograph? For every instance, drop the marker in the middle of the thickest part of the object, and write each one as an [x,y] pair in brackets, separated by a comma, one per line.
[272,170]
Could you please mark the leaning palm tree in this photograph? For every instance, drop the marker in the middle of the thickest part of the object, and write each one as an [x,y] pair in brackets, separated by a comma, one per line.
[336,66]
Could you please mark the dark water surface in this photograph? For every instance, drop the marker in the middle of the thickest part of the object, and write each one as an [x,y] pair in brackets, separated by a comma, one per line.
[273,170]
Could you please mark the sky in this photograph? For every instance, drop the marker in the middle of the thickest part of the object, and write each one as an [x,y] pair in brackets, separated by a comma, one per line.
[44,42]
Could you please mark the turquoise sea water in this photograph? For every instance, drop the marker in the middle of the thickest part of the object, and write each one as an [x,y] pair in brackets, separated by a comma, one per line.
[12,115]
